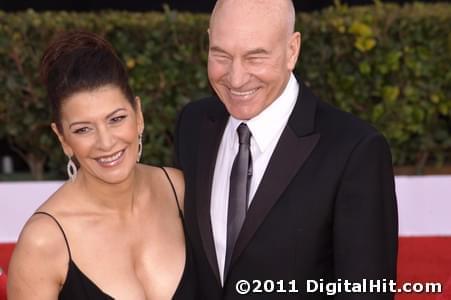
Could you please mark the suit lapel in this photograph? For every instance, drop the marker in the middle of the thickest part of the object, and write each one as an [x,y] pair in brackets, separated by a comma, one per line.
[212,129]
[294,147]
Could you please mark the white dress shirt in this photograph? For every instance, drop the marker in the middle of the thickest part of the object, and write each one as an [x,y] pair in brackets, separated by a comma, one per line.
[266,129]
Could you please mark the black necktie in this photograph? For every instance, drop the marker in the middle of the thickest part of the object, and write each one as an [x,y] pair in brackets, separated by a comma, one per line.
[240,178]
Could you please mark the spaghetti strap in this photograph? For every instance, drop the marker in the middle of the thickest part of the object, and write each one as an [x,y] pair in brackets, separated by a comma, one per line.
[60,227]
[173,190]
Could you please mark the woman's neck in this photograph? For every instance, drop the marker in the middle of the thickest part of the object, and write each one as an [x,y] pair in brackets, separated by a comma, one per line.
[113,197]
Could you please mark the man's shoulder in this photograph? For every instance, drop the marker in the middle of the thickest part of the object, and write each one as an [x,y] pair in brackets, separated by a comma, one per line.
[210,104]
[344,130]
[193,114]
[326,118]
[330,116]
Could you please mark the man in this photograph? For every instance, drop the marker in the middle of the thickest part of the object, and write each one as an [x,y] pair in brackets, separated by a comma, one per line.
[316,184]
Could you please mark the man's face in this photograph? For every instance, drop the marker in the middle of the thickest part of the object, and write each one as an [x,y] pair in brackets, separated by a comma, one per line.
[249,61]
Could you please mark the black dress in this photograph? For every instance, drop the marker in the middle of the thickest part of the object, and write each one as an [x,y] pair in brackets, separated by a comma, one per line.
[78,286]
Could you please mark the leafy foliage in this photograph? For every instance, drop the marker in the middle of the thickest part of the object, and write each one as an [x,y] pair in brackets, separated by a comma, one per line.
[389,65]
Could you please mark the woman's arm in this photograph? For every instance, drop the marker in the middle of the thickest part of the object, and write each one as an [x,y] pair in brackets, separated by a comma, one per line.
[39,262]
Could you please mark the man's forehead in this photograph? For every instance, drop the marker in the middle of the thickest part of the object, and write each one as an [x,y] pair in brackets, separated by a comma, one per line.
[262,11]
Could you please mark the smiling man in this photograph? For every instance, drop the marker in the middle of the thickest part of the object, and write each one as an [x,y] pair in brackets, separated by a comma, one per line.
[282,189]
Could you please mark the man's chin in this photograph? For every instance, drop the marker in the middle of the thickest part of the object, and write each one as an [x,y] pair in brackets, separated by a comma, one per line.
[242,115]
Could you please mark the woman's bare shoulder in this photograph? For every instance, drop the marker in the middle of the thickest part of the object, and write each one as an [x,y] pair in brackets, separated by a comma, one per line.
[41,236]
[177,179]
[40,250]
[176,176]
[157,176]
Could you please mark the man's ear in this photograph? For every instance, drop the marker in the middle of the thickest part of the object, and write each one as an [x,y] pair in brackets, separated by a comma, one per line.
[294,48]
[139,115]
[66,148]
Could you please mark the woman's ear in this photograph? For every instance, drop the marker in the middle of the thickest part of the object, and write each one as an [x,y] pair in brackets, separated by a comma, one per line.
[66,148]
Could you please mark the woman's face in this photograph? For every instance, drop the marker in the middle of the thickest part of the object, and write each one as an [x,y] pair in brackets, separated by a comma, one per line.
[101,128]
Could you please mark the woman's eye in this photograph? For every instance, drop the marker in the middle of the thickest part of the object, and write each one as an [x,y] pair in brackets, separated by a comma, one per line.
[117,119]
[81,130]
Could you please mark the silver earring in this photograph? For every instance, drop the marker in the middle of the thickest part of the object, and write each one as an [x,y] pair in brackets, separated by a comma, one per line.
[71,169]
[140,147]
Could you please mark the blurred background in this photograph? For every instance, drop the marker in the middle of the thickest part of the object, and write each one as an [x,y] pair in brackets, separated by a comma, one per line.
[156,5]
[414,152]
[386,62]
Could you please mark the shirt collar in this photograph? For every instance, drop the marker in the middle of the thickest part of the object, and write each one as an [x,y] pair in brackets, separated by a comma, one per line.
[267,124]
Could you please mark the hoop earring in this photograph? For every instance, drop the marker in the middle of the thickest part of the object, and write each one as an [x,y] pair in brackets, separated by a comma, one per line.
[140,147]
[71,169]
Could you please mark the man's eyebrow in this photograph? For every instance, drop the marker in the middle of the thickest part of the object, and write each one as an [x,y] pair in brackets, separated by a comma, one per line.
[217,49]
[257,51]
[250,52]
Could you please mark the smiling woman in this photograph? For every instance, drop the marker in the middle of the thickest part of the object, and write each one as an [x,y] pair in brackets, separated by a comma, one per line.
[114,230]
[99,128]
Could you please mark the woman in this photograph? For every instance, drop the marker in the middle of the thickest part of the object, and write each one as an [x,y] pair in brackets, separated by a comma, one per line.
[114,230]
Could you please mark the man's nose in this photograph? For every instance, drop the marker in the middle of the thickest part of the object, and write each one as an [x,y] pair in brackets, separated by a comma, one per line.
[238,74]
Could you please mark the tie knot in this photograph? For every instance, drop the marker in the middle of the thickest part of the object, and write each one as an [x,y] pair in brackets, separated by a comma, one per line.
[244,134]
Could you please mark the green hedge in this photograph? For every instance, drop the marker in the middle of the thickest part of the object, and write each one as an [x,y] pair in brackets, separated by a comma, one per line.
[389,65]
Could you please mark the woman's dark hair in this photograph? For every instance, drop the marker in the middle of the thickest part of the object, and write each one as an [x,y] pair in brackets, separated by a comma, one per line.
[80,61]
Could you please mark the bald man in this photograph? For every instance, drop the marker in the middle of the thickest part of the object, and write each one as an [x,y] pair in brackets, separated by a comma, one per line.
[286,196]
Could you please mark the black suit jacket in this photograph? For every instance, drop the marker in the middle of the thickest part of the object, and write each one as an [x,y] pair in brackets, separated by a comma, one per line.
[325,207]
